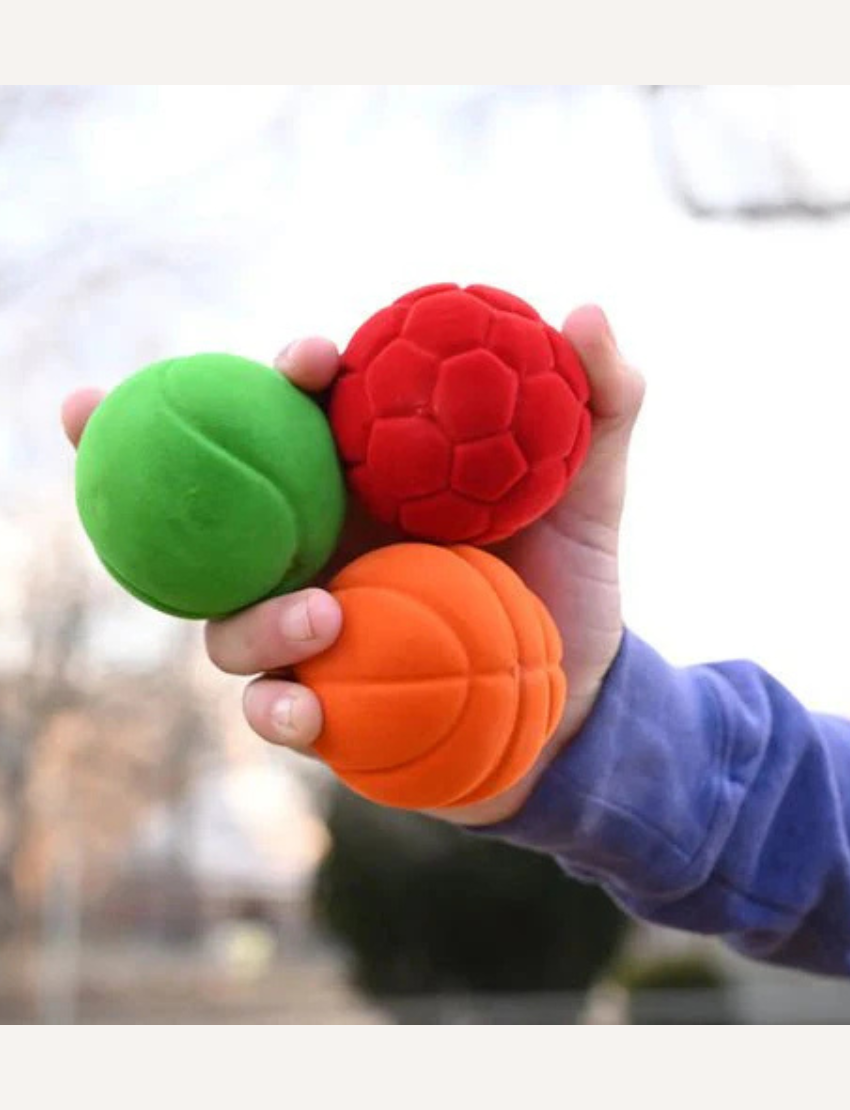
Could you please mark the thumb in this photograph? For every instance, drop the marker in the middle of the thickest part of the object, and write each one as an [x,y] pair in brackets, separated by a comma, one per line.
[616,389]
[616,393]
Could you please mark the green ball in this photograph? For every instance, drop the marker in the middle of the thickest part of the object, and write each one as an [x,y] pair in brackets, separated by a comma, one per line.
[208,483]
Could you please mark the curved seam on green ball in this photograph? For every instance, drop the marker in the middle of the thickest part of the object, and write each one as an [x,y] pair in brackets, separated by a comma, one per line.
[148,598]
[292,518]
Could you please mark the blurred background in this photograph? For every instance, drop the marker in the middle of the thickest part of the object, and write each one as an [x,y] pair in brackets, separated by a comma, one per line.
[158,863]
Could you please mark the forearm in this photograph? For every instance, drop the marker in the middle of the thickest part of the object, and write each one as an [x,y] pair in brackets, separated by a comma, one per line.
[706,798]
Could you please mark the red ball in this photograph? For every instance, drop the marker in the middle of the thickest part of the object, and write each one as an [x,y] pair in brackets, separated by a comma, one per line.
[460,414]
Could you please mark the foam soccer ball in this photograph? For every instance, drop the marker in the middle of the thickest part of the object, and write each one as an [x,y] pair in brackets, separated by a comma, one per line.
[208,483]
[460,414]
[445,682]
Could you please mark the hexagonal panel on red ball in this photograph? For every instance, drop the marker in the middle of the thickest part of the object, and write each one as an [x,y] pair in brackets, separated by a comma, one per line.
[487,468]
[532,496]
[446,517]
[426,291]
[401,380]
[475,395]
[447,323]
[521,344]
[370,339]
[504,302]
[410,454]
[547,418]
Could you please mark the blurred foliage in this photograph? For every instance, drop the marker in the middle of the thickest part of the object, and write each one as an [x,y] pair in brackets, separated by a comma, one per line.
[687,972]
[87,750]
[424,907]
[686,989]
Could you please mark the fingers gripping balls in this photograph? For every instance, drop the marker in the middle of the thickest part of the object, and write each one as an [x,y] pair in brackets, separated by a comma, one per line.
[460,414]
[207,483]
[445,682]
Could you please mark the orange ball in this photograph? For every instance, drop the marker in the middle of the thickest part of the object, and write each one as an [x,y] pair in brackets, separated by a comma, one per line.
[445,682]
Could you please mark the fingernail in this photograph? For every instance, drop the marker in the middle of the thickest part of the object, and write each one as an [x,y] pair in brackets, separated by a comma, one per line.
[284,717]
[295,620]
[288,356]
[612,338]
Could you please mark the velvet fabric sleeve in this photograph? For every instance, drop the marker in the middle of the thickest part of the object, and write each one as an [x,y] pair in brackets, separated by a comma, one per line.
[709,799]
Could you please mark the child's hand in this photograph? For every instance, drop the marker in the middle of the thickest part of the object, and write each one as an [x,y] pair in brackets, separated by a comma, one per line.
[569,558]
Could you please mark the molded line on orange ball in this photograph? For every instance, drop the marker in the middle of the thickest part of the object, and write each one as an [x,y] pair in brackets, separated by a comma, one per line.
[391,768]
[514,673]
[422,783]
[422,787]
[526,740]
[499,780]
[415,602]
[538,639]
[468,672]
[419,680]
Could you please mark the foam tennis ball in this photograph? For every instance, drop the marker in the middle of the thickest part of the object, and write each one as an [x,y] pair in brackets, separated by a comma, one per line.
[460,414]
[207,483]
[445,682]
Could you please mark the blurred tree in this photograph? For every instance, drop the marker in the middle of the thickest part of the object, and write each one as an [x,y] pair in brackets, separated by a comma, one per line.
[426,908]
[52,631]
[753,152]
[86,750]
[689,971]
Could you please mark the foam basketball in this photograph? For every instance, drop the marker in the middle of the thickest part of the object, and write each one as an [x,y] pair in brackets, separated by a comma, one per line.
[460,414]
[208,483]
[445,682]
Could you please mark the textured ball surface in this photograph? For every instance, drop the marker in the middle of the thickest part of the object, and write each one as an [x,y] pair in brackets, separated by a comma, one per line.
[207,483]
[445,682]
[460,414]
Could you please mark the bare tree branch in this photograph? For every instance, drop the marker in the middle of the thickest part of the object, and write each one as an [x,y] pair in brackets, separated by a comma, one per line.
[796,189]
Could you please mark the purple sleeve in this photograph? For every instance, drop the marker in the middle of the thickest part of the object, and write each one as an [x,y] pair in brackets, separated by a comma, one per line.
[706,798]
